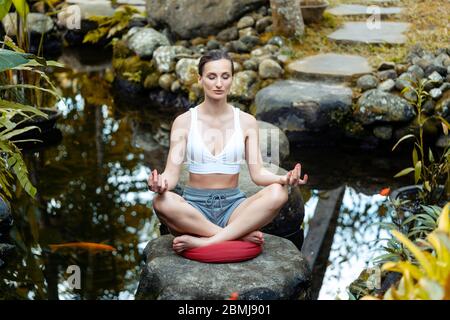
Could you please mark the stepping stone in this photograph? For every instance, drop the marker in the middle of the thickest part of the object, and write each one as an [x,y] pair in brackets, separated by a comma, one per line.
[381,1]
[91,8]
[359,32]
[329,67]
[356,9]
[280,272]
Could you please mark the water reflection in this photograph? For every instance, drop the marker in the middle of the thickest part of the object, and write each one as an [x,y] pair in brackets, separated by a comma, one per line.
[357,241]
[92,187]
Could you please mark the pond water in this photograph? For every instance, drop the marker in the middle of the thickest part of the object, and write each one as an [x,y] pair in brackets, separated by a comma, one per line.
[92,188]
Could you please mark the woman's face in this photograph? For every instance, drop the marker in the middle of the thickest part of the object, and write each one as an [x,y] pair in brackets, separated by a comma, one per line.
[216,80]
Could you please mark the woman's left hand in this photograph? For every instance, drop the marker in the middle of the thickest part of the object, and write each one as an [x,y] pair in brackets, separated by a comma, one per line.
[293,176]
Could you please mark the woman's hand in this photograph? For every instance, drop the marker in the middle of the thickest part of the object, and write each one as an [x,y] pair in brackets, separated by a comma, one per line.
[155,183]
[293,176]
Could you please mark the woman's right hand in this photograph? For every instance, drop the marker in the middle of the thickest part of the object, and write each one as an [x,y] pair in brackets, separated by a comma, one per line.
[155,183]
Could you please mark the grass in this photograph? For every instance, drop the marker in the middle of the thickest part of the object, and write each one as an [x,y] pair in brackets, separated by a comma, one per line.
[428,28]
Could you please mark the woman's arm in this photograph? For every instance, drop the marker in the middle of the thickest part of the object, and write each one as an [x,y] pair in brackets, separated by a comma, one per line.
[169,178]
[260,175]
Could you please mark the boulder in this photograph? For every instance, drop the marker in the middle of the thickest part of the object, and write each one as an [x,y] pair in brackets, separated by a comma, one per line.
[244,86]
[187,71]
[367,82]
[270,69]
[164,57]
[188,19]
[380,106]
[144,41]
[280,272]
[302,108]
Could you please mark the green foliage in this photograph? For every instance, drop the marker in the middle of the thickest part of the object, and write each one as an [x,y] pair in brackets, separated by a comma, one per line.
[431,172]
[13,113]
[428,276]
[110,26]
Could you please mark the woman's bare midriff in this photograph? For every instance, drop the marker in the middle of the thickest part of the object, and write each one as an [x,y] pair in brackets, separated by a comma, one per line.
[213,181]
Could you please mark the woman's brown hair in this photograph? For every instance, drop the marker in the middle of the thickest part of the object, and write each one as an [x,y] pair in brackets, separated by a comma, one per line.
[213,55]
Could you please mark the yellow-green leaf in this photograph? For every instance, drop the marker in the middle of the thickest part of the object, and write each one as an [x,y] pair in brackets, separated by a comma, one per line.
[404,172]
[21,7]
[417,171]
[420,256]
[403,138]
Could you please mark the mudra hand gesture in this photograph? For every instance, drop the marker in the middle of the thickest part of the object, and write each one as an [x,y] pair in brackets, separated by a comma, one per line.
[293,176]
[155,182]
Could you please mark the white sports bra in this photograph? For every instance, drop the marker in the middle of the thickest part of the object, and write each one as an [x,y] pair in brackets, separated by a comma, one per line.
[199,158]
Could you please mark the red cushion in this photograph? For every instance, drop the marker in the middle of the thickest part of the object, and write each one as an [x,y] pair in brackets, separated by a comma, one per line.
[222,252]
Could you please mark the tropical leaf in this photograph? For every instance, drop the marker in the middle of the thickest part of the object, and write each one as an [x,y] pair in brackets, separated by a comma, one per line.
[10,59]
[404,172]
[21,7]
[5,5]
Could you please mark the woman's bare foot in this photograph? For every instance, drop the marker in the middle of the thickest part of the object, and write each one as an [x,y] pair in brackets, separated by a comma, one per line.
[254,236]
[185,242]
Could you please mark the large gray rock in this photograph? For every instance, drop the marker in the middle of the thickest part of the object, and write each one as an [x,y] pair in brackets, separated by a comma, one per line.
[189,19]
[291,215]
[380,106]
[280,272]
[299,107]
[144,41]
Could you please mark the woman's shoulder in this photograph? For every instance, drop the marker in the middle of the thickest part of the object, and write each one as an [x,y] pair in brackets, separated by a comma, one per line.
[182,121]
[247,120]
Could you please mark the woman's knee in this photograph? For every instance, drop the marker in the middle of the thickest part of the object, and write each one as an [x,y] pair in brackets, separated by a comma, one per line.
[278,194]
[163,202]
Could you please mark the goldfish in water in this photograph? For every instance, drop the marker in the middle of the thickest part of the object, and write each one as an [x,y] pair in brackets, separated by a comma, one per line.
[234,296]
[385,191]
[82,245]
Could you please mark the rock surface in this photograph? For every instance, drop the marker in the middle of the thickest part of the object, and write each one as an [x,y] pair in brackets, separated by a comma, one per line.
[188,19]
[280,272]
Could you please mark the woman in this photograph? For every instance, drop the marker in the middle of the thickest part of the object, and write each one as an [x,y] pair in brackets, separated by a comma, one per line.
[212,208]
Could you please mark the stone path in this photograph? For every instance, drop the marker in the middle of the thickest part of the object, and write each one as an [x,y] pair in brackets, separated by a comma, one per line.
[103,7]
[356,9]
[361,32]
[317,85]
[329,67]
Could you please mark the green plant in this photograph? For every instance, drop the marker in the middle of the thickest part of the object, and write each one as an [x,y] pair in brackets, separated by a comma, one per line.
[431,172]
[11,161]
[428,276]
[110,26]
[26,86]
[416,226]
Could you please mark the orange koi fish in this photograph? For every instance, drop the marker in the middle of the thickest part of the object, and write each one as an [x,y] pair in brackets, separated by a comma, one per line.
[233,296]
[83,245]
[385,191]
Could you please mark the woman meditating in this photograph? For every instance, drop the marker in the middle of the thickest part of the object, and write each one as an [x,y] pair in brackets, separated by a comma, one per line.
[216,136]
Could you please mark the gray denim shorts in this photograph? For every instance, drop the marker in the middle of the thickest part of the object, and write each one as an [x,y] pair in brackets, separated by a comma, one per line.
[216,205]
